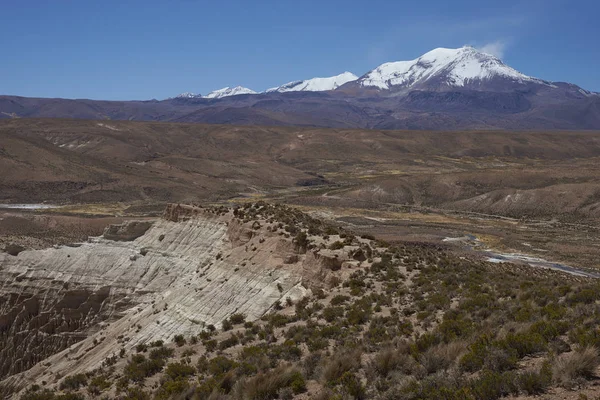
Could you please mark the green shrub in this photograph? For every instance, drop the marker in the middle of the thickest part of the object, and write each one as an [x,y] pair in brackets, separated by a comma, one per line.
[229,342]
[331,314]
[339,299]
[226,325]
[525,343]
[220,365]
[343,361]
[179,370]
[352,386]
[491,385]
[237,319]
[73,382]
[179,340]
[337,245]
[98,384]
[531,382]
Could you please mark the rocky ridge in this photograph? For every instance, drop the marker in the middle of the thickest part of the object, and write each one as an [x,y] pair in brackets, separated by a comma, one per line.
[192,268]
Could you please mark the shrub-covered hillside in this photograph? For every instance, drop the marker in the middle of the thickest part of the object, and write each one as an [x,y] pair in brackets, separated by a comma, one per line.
[401,321]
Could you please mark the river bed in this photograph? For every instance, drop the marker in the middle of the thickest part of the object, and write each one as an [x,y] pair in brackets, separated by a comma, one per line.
[473,243]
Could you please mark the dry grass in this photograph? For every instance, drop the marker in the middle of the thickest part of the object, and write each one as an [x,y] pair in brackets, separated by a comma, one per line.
[390,359]
[267,385]
[442,356]
[571,367]
[342,362]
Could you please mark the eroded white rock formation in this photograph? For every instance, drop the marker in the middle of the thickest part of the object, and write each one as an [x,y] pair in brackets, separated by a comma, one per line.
[190,269]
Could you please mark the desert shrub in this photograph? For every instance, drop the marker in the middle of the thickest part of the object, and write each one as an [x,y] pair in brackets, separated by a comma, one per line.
[437,386]
[343,361]
[441,356]
[554,311]
[491,385]
[584,336]
[584,295]
[135,393]
[310,364]
[524,343]
[474,359]
[301,241]
[211,345]
[339,299]
[390,359]
[267,385]
[532,382]
[229,342]
[237,318]
[73,382]
[286,351]
[138,368]
[179,370]
[98,384]
[423,342]
[318,343]
[170,388]
[499,360]
[141,348]
[161,353]
[571,367]
[220,365]
[549,329]
[352,386]
[49,395]
[337,245]
[226,325]
[179,340]
[330,314]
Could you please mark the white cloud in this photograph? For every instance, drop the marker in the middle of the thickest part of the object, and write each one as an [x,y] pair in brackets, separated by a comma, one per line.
[496,48]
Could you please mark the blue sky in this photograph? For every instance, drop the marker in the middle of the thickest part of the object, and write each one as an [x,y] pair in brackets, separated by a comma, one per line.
[133,49]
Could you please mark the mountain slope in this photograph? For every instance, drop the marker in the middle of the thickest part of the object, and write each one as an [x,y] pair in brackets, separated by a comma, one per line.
[228,91]
[188,95]
[315,84]
[463,67]
[443,89]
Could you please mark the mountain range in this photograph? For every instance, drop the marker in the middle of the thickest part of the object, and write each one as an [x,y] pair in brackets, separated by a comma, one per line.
[460,88]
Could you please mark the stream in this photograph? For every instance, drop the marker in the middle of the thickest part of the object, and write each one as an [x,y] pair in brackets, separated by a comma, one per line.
[475,244]
[27,206]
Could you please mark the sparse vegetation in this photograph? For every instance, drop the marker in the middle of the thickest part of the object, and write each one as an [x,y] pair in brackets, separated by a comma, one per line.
[413,321]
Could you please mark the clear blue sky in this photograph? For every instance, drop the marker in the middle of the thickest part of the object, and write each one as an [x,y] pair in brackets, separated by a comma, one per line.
[133,49]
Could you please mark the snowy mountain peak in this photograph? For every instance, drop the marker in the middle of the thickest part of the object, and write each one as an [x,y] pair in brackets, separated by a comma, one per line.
[227,91]
[188,95]
[316,84]
[452,67]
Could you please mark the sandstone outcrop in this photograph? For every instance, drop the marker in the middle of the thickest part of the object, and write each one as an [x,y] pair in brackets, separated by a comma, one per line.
[127,231]
[66,309]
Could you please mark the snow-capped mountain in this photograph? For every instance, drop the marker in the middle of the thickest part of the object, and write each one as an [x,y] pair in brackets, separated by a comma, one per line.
[227,91]
[188,95]
[442,89]
[460,67]
[315,84]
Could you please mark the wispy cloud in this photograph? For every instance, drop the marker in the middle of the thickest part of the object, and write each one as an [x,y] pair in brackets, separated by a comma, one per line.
[496,48]
[398,41]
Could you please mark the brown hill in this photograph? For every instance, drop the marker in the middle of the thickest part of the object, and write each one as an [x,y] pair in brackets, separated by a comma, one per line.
[507,173]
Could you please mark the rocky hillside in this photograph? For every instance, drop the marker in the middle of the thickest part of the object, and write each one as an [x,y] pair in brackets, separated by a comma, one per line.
[263,302]
[147,281]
